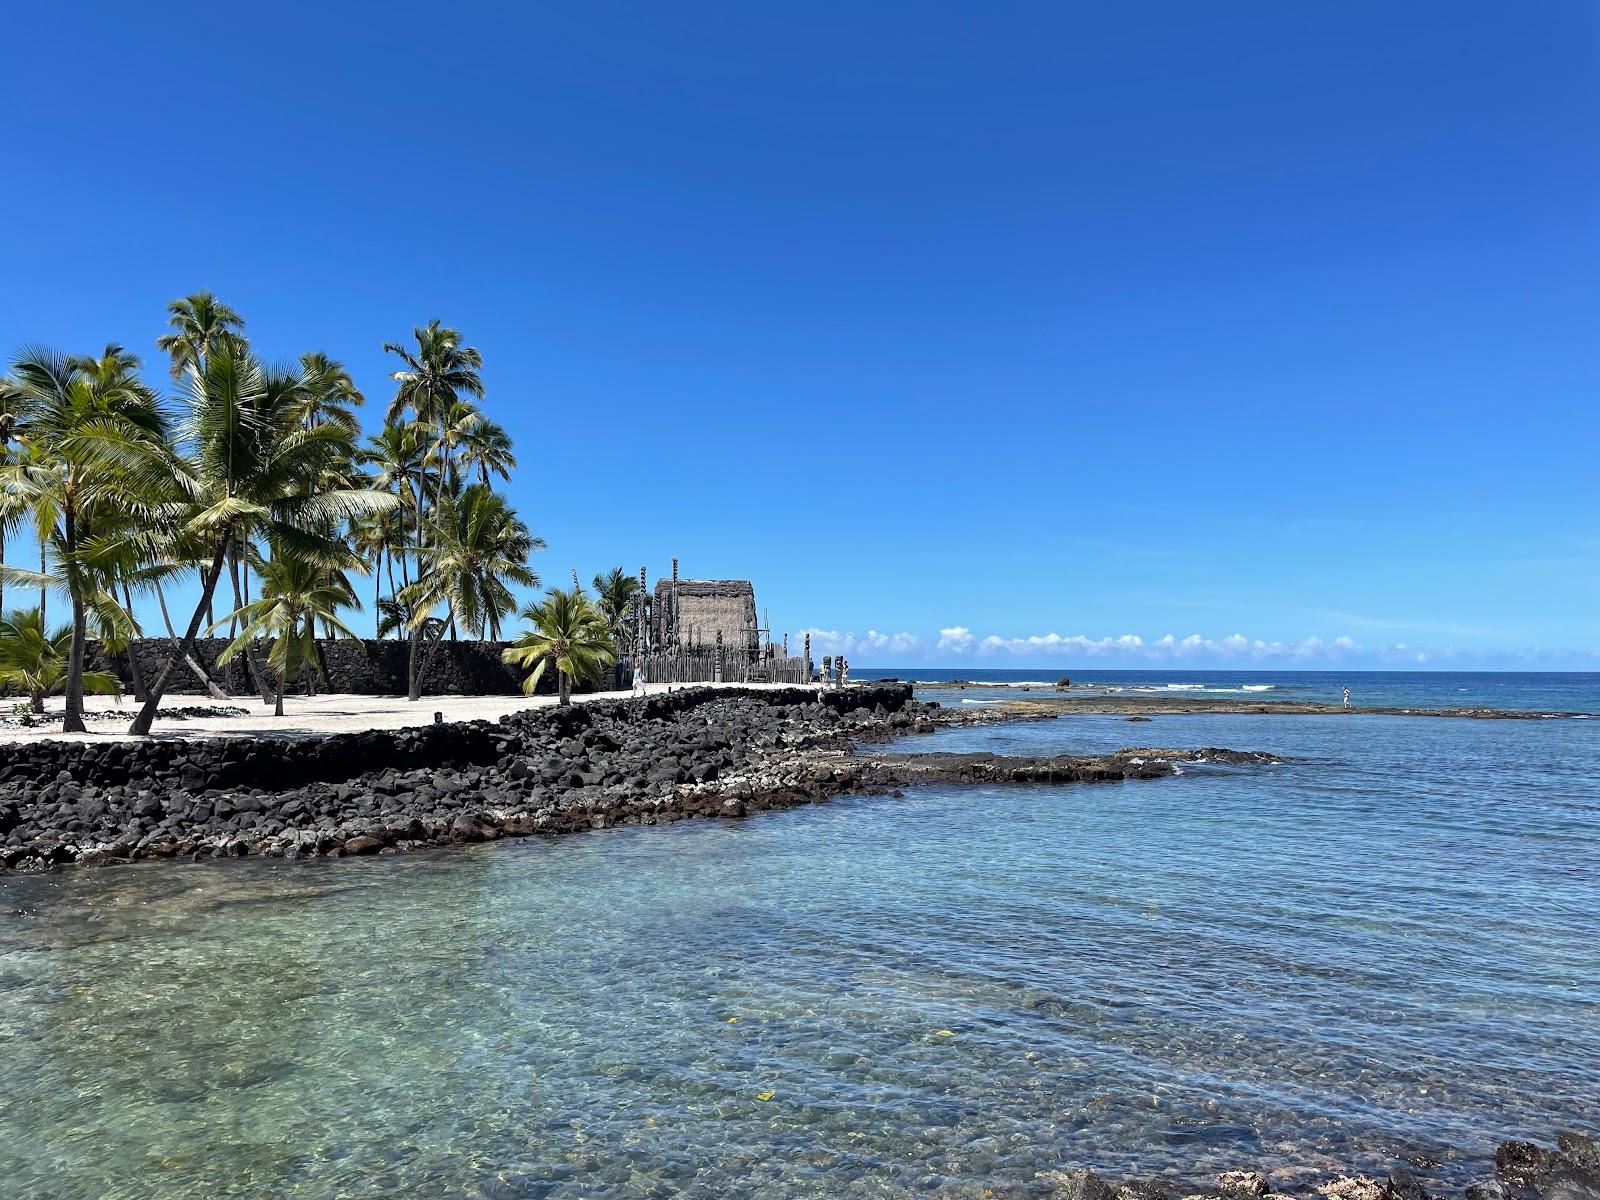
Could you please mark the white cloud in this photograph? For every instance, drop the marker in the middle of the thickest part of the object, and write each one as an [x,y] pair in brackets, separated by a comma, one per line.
[957,644]
[957,638]
[851,644]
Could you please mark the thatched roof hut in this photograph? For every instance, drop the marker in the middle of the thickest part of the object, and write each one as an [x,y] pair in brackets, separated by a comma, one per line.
[690,612]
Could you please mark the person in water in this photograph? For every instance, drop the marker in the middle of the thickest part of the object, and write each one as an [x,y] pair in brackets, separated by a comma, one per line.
[1347,697]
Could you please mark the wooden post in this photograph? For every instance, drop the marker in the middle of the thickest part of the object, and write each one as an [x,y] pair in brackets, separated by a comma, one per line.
[719,656]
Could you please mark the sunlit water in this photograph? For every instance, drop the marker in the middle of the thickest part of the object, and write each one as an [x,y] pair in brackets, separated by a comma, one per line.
[1388,949]
[1546,691]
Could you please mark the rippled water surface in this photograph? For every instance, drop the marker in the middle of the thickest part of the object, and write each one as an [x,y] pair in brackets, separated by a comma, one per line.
[1387,949]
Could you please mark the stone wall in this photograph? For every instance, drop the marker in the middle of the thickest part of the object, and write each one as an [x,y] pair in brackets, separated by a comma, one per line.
[561,768]
[365,667]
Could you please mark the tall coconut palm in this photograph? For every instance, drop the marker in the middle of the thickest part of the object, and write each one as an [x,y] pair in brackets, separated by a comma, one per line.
[615,591]
[81,512]
[437,374]
[200,324]
[249,469]
[454,427]
[476,546]
[329,391]
[566,630]
[35,662]
[486,451]
[296,593]
[396,455]
[11,507]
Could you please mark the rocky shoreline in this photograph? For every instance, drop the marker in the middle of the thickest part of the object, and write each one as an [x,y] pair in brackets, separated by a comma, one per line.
[695,753]
[1521,1171]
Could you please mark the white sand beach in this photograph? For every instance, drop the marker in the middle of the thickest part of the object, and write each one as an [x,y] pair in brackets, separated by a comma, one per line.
[304,716]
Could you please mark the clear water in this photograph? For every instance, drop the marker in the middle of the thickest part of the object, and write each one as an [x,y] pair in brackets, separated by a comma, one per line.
[1387,949]
[1544,691]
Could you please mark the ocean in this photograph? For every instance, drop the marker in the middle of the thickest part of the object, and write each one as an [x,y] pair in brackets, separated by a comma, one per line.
[1546,691]
[1384,951]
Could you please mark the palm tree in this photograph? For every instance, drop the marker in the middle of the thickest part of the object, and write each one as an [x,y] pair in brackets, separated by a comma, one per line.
[251,469]
[296,593]
[486,450]
[476,545]
[615,591]
[396,452]
[200,324]
[568,631]
[11,507]
[330,394]
[88,518]
[453,429]
[438,374]
[35,662]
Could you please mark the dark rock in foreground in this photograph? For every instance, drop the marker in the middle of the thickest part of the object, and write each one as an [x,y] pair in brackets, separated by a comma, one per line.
[1522,1171]
[696,752]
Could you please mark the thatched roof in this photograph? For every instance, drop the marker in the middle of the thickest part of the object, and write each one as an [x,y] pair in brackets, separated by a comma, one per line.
[689,611]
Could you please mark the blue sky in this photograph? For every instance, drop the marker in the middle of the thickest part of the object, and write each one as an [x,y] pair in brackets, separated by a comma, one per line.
[1000,332]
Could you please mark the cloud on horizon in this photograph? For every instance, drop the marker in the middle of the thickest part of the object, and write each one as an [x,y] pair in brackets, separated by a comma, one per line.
[958,644]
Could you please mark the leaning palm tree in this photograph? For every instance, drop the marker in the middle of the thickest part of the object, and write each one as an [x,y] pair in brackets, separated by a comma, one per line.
[567,630]
[200,325]
[248,469]
[296,594]
[476,546]
[35,662]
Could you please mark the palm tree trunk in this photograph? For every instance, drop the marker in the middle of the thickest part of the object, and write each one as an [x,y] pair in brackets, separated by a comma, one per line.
[189,660]
[252,657]
[566,686]
[233,572]
[43,591]
[414,663]
[414,666]
[134,673]
[147,714]
[277,710]
[72,719]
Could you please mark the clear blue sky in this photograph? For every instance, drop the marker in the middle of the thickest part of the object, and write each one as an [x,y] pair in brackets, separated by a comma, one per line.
[1095,321]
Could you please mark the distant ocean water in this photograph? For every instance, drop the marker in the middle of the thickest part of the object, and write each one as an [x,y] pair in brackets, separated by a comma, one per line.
[1550,691]
[1385,950]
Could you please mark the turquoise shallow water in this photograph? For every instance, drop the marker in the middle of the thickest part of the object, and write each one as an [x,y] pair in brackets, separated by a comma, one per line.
[1388,949]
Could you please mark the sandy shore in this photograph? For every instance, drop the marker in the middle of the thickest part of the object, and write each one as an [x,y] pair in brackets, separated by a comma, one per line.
[304,716]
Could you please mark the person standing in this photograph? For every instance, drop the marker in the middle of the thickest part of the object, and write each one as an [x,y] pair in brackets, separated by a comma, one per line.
[1347,696]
